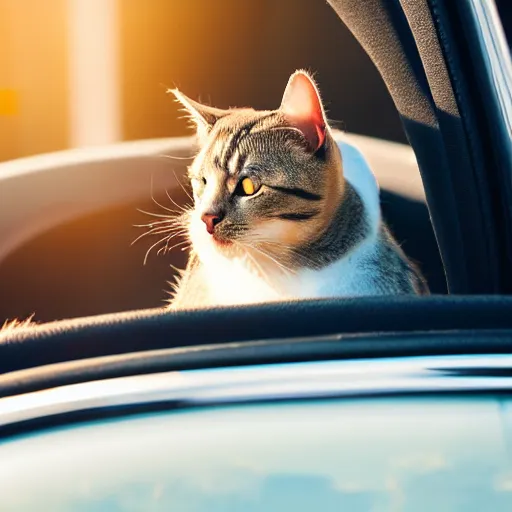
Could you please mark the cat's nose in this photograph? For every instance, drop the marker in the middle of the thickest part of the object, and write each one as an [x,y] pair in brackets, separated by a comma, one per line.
[211,220]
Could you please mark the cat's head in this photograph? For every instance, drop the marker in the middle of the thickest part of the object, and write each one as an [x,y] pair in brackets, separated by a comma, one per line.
[265,182]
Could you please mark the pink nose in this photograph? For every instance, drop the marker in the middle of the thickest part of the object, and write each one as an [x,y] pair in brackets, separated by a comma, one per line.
[211,220]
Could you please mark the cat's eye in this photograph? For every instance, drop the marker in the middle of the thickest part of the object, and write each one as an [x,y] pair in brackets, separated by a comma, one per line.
[248,187]
[198,185]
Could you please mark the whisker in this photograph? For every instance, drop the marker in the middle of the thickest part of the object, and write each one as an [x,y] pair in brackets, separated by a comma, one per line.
[163,207]
[300,257]
[183,188]
[278,263]
[163,227]
[259,268]
[287,271]
[156,223]
[293,250]
[149,250]
[172,157]
[155,201]
[156,214]
[156,231]
[178,220]
[180,244]
[181,208]
[166,246]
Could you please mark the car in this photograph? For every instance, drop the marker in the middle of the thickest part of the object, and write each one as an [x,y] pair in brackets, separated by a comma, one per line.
[374,403]
[417,433]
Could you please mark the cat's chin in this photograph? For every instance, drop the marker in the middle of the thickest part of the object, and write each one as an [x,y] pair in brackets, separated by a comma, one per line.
[221,243]
[218,245]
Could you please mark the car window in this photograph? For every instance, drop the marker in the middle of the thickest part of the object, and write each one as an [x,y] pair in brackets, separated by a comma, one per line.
[505,13]
[66,92]
[414,454]
[75,91]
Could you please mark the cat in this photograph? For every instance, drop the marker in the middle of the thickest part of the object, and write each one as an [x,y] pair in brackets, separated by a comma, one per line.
[282,211]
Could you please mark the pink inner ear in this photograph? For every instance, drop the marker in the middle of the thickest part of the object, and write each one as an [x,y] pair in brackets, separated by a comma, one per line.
[302,106]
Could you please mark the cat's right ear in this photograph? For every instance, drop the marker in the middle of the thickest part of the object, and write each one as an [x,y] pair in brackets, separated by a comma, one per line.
[203,116]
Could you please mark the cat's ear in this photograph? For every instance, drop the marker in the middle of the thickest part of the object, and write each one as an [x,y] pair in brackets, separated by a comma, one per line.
[203,116]
[303,108]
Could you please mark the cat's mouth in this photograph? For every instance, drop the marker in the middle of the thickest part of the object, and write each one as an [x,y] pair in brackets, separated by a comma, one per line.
[221,242]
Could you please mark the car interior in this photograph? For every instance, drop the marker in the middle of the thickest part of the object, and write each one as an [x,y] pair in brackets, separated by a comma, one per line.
[68,218]
[369,403]
[77,208]
[94,229]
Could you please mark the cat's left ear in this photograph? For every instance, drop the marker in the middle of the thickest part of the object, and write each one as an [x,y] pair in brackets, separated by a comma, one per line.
[203,116]
[302,106]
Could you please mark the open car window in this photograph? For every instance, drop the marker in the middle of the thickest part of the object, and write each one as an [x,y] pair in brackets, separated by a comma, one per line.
[330,399]
[78,210]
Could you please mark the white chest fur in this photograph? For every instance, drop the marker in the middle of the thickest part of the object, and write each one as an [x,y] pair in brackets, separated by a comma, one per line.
[232,282]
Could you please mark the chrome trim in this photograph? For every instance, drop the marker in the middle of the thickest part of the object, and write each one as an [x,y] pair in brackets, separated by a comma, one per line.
[354,378]
[496,53]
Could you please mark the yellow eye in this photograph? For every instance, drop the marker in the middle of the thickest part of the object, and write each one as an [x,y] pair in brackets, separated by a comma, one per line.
[248,186]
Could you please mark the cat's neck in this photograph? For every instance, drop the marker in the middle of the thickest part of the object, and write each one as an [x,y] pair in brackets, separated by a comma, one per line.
[355,219]
[358,173]
[349,226]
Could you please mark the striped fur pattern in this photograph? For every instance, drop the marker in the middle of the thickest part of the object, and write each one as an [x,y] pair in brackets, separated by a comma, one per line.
[311,229]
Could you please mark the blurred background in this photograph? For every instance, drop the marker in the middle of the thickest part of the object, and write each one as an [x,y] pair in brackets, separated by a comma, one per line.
[84,72]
